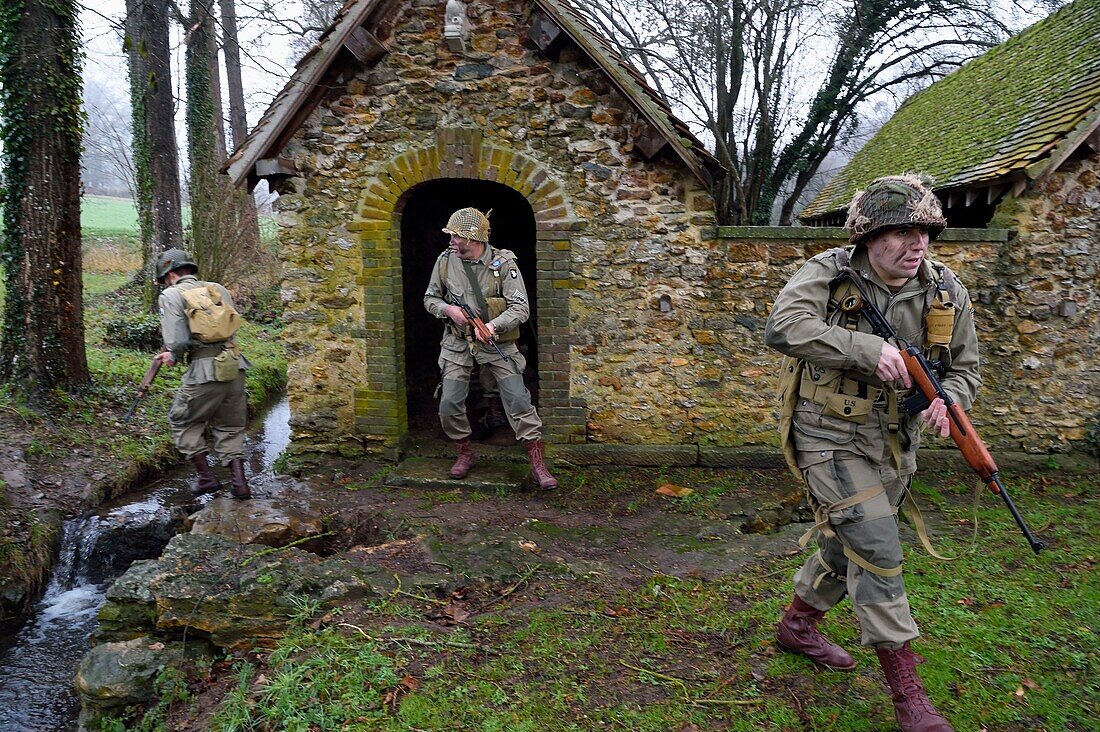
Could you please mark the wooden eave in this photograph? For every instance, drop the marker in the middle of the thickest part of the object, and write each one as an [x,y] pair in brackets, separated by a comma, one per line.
[305,89]
[631,85]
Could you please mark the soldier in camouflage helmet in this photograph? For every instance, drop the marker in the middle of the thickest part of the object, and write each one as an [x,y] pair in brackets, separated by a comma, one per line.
[489,281]
[211,393]
[844,434]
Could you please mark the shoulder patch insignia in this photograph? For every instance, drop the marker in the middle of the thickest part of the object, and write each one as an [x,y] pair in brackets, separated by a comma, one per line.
[495,264]
[515,273]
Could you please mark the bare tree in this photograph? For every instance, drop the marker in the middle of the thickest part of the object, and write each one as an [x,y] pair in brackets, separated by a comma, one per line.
[777,84]
[42,340]
[107,165]
[302,30]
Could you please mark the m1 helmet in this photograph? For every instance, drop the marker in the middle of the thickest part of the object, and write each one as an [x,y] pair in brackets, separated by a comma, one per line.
[171,259]
[469,223]
[894,201]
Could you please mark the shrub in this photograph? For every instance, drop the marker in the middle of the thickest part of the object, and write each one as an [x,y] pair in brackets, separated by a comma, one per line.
[139,332]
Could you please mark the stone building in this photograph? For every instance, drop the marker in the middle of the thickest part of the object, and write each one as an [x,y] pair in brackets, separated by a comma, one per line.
[1012,141]
[645,341]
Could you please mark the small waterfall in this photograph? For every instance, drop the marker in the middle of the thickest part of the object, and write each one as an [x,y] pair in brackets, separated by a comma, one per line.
[38,661]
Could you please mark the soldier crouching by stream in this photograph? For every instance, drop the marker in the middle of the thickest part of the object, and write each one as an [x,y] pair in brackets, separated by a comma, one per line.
[199,325]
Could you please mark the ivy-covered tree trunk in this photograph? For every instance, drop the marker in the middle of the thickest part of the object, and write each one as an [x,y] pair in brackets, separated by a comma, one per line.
[210,197]
[156,158]
[42,341]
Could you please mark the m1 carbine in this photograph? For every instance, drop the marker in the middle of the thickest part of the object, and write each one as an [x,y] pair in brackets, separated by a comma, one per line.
[924,375]
[146,382]
[482,331]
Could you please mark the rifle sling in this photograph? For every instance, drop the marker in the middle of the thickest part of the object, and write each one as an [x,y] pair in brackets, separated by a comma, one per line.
[482,306]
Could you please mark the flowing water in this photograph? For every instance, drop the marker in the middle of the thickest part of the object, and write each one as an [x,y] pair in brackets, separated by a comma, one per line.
[38,660]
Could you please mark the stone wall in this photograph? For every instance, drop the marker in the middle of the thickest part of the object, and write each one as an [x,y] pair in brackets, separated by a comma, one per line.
[650,318]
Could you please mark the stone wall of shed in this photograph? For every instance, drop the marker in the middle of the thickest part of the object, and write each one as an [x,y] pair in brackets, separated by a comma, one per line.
[651,319]
[1045,364]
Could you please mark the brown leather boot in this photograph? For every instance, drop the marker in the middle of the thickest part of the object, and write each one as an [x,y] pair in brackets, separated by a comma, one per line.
[540,474]
[240,487]
[494,415]
[466,459]
[912,706]
[797,632]
[207,482]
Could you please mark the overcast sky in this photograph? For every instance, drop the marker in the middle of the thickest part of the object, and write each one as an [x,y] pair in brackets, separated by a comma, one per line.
[264,57]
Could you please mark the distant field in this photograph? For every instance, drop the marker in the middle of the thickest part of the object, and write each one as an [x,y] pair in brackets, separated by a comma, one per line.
[108,216]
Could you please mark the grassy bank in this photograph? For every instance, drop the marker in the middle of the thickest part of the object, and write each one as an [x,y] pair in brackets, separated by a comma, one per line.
[72,450]
[1010,642]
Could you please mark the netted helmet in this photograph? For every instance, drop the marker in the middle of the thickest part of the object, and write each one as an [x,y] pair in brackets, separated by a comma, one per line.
[891,201]
[469,223]
[171,259]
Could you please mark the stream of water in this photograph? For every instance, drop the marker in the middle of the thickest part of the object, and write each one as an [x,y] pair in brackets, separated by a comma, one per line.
[38,660]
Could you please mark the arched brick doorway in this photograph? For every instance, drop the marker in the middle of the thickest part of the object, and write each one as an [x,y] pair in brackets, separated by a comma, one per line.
[461,161]
[424,210]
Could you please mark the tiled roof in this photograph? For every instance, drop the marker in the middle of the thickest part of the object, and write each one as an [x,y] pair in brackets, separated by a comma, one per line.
[291,105]
[1005,117]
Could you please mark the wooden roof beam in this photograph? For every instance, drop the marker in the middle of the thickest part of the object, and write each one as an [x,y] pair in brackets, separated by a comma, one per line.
[364,47]
[545,34]
[650,141]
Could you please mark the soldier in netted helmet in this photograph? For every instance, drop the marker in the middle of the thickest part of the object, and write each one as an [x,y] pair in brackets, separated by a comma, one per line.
[843,431]
[198,323]
[488,280]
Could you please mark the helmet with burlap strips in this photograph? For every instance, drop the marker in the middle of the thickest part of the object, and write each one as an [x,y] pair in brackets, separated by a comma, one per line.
[469,223]
[171,259]
[894,201]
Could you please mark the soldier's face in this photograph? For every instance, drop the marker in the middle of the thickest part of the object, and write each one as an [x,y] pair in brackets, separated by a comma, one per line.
[466,248]
[896,254]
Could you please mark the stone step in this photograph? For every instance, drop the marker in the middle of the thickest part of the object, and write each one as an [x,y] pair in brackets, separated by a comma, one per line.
[420,472]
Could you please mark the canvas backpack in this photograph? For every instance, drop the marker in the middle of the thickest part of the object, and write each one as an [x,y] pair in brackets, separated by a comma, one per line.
[210,318]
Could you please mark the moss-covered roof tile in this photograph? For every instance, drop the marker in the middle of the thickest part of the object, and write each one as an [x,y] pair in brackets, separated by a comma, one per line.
[992,119]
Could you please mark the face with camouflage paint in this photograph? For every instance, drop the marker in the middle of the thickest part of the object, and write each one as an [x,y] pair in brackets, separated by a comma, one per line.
[466,248]
[896,253]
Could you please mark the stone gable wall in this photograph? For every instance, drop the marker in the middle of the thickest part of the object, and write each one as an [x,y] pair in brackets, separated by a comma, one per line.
[650,319]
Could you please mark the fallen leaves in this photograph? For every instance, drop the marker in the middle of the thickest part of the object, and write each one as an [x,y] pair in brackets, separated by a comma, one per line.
[674,491]
[403,687]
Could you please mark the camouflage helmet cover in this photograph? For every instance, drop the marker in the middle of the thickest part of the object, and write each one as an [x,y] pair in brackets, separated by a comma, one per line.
[171,259]
[469,223]
[894,201]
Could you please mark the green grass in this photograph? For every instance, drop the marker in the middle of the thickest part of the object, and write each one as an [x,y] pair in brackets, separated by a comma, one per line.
[108,216]
[1010,640]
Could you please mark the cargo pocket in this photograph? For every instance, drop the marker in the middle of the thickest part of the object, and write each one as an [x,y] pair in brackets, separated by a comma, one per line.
[820,426]
[849,408]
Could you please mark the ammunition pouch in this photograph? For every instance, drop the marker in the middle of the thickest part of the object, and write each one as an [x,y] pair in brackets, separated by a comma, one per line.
[496,306]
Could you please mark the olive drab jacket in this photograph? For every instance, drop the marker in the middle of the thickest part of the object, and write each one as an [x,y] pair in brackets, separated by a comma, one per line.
[501,283]
[834,400]
[177,334]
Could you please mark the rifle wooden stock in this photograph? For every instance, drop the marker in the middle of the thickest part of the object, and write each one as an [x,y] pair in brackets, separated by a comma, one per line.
[962,430]
[146,382]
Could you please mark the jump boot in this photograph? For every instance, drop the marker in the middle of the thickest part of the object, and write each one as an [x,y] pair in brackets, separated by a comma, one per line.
[207,482]
[912,706]
[240,487]
[466,459]
[797,633]
[540,474]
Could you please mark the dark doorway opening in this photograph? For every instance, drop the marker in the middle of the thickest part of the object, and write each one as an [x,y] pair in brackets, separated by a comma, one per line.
[423,216]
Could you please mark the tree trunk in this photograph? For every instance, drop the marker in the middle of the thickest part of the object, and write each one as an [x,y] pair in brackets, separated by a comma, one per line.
[42,343]
[206,146]
[248,226]
[156,156]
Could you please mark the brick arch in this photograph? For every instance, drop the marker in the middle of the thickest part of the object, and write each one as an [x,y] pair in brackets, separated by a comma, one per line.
[380,405]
